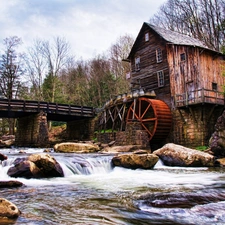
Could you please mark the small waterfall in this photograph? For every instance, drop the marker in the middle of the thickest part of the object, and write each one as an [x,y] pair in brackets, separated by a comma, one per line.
[80,165]
[4,166]
[85,165]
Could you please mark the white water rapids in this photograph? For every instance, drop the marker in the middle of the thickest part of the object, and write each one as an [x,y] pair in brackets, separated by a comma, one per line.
[93,192]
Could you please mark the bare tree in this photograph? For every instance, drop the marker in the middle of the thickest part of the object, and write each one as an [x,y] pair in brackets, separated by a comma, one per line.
[11,72]
[36,66]
[57,56]
[201,19]
[119,68]
[11,68]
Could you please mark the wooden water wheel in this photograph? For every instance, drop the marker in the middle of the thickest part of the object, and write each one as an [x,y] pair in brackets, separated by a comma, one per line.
[154,115]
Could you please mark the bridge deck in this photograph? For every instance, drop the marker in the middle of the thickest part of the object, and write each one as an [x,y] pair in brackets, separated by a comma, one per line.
[58,112]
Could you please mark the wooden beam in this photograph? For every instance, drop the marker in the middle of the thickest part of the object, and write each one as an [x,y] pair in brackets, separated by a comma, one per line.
[181,115]
[210,112]
[192,113]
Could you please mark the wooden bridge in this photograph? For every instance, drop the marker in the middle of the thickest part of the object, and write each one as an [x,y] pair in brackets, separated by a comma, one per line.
[56,112]
[32,117]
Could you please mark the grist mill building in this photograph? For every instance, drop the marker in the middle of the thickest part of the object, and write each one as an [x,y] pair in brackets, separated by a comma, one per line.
[177,89]
[186,75]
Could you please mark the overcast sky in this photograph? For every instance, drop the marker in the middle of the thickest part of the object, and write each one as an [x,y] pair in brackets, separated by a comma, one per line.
[90,26]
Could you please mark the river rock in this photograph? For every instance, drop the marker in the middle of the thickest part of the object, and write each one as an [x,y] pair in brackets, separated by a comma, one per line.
[135,161]
[7,140]
[10,184]
[36,166]
[3,157]
[117,149]
[220,162]
[8,209]
[69,147]
[25,169]
[217,140]
[177,155]
[47,164]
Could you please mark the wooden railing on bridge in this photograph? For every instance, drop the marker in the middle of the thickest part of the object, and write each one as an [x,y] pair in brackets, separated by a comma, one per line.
[48,107]
[199,96]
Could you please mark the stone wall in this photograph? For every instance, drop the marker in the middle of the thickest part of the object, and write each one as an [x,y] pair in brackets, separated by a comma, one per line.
[32,131]
[194,125]
[133,135]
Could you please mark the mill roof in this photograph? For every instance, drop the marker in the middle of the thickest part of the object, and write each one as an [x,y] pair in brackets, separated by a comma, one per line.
[176,37]
[173,37]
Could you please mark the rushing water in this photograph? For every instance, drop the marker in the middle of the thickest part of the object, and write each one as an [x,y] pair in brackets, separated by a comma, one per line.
[92,192]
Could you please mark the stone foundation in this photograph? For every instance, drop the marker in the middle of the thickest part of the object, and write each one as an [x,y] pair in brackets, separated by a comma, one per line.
[133,135]
[193,126]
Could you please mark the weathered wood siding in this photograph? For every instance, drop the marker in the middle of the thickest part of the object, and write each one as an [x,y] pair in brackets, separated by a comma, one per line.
[198,71]
[147,75]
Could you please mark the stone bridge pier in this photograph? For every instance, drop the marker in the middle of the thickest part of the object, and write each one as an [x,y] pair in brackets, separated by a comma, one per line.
[32,130]
[81,130]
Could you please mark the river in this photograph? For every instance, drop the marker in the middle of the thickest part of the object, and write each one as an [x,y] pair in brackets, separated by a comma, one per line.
[94,193]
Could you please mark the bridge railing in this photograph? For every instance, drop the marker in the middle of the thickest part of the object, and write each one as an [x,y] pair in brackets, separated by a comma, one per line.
[48,107]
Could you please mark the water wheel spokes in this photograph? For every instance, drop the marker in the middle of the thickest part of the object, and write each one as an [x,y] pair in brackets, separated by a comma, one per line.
[143,111]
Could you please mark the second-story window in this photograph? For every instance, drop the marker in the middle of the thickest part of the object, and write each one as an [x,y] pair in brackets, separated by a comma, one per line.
[137,63]
[182,57]
[158,55]
[146,36]
[160,76]
[214,86]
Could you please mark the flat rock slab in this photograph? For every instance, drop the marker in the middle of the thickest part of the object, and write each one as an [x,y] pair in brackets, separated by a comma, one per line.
[70,147]
[135,161]
[117,149]
[10,184]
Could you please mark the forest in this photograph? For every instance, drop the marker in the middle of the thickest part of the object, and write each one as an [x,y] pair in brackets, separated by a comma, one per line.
[48,71]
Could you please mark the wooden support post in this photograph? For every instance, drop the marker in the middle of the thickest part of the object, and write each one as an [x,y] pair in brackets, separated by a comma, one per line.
[135,102]
[210,113]
[122,120]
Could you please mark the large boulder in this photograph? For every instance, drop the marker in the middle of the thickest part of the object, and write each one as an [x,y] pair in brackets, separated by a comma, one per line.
[69,147]
[8,209]
[217,140]
[177,155]
[135,160]
[39,165]
[47,164]
[24,168]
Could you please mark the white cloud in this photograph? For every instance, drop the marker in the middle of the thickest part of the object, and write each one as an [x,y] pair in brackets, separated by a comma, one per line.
[89,26]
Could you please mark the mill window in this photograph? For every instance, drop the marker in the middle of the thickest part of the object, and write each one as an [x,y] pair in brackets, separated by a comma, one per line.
[146,36]
[160,76]
[182,57]
[158,55]
[214,86]
[137,63]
